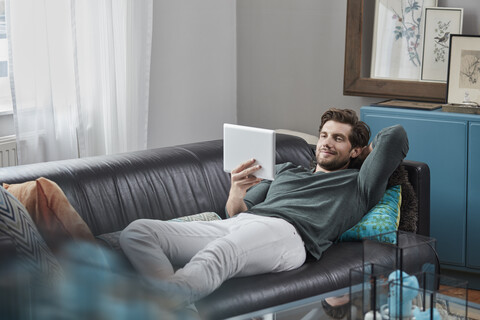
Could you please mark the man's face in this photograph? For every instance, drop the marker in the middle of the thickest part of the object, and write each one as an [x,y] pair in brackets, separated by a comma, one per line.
[334,149]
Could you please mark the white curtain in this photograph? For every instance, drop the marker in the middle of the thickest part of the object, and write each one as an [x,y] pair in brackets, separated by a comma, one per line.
[80,72]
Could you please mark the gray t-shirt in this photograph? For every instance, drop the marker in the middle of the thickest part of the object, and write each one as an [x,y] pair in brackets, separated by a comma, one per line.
[322,205]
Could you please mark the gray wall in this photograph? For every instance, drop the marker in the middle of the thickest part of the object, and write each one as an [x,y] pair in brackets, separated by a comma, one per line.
[290,62]
[290,57]
[471,13]
[193,71]
[267,63]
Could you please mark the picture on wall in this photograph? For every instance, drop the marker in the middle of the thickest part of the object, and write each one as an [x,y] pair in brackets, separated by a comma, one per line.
[440,23]
[463,83]
[398,38]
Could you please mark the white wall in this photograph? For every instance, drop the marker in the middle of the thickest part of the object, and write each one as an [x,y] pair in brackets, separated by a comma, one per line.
[6,124]
[193,71]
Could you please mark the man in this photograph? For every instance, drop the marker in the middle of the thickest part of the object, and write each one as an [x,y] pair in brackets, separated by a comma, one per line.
[273,224]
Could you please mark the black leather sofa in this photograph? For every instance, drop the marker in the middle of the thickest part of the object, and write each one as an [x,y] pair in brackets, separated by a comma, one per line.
[111,191]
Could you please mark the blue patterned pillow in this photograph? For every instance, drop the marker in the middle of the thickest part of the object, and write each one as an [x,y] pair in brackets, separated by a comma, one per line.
[16,223]
[382,218]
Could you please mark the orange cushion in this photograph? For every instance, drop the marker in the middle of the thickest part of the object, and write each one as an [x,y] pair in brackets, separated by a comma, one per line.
[56,219]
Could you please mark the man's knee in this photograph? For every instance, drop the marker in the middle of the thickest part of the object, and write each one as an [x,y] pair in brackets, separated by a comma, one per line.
[135,231]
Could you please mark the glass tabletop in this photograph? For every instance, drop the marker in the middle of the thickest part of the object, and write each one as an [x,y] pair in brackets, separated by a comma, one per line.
[309,308]
[324,306]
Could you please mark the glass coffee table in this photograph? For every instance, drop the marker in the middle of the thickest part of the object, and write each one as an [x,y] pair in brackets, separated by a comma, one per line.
[316,308]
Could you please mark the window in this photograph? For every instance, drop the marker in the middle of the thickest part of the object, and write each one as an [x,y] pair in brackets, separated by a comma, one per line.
[5,93]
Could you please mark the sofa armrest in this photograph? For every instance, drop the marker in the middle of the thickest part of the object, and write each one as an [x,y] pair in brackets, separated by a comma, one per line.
[419,177]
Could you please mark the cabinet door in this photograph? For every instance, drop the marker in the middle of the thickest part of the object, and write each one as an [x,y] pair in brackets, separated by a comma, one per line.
[473,208]
[442,144]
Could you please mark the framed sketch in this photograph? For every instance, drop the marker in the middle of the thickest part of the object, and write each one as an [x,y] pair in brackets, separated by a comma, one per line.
[463,81]
[398,38]
[440,23]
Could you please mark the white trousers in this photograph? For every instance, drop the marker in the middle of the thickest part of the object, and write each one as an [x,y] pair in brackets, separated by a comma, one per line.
[210,252]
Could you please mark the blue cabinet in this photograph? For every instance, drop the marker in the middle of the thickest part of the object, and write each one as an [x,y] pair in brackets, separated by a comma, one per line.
[450,144]
[473,199]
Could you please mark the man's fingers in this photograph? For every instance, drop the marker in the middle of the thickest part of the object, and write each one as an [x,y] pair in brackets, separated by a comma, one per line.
[248,181]
[247,173]
[247,168]
[251,170]
[246,176]
[243,166]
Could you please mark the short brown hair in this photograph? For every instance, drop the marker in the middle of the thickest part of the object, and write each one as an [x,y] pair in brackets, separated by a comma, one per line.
[360,133]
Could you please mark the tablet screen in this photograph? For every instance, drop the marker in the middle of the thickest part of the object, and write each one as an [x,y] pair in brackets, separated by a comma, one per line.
[241,143]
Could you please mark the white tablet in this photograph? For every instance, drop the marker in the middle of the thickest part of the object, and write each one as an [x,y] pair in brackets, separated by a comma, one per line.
[241,143]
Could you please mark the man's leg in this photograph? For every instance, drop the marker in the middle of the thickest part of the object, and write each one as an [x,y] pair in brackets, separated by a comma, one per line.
[154,247]
[212,251]
[253,245]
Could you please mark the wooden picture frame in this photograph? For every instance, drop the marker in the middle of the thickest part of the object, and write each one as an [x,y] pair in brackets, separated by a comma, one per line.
[357,84]
[440,22]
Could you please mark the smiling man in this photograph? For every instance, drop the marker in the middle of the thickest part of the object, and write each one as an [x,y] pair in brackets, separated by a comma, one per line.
[346,147]
[274,224]
[335,148]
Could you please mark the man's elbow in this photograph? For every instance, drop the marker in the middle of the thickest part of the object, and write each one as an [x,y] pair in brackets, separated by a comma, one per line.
[400,138]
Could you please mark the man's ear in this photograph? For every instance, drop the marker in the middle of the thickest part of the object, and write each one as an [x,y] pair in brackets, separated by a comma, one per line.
[355,152]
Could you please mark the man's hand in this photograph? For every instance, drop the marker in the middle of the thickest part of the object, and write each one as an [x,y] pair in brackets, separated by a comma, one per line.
[365,152]
[242,178]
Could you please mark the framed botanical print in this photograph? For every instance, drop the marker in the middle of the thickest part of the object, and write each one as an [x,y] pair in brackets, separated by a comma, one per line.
[440,23]
[463,81]
[398,38]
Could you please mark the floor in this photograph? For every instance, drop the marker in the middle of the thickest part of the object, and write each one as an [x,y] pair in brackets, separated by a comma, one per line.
[474,296]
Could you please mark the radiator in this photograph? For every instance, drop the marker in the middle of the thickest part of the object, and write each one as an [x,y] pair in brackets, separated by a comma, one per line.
[8,151]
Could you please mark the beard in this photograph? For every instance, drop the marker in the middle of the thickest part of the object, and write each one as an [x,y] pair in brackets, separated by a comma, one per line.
[333,164]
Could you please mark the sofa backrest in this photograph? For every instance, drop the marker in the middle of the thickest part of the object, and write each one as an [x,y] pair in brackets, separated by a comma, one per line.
[111,191]
[164,183]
